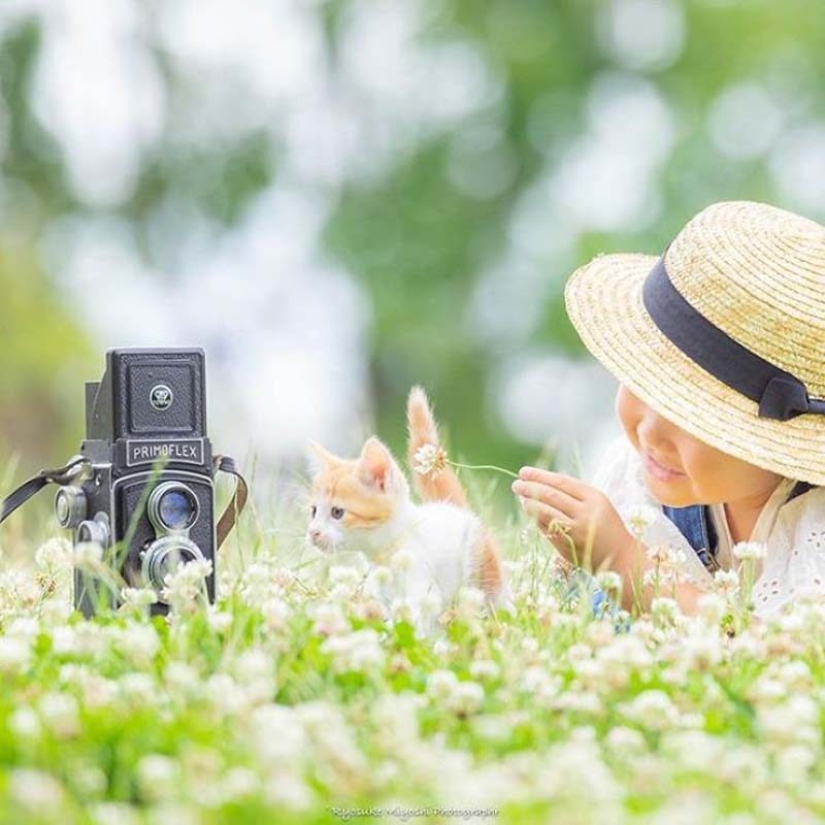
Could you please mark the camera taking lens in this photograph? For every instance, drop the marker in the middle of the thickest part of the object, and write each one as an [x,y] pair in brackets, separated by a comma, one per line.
[166,555]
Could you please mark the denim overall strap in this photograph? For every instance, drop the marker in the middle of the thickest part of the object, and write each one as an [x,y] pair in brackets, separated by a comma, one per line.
[695,525]
[800,488]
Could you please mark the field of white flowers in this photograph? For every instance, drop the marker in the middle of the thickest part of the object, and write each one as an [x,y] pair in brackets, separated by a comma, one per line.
[298,697]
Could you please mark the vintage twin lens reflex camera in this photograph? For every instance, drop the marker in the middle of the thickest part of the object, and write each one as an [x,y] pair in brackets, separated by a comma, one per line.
[146,491]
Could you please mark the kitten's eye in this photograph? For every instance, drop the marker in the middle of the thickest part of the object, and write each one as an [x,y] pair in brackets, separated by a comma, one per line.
[337,512]
[313,510]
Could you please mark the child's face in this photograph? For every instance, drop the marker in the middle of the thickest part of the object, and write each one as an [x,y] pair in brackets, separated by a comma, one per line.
[681,470]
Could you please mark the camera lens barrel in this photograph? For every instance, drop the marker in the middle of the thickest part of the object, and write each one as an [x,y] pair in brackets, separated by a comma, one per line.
[71,506]
[164,556]
[173,508]
[93,531]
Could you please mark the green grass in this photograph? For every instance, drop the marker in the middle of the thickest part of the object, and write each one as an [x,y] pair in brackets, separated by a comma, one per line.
[298,698]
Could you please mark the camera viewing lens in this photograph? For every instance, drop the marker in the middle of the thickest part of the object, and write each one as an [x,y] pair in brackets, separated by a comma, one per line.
[173,506]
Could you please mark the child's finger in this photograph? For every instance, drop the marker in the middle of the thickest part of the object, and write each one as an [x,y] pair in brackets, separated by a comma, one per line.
[543,514]
[546,494]
[570,485]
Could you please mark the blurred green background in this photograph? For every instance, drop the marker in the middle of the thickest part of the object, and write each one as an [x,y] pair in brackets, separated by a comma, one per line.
[340,199]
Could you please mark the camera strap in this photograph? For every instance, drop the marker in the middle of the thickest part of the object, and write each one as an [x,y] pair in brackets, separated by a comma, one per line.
[72,470]
[61,475]
[225,464]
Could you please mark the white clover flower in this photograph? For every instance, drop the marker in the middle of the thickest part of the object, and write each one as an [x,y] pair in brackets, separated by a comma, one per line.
[712,608]
[87,554]
[403,610]
[276,613]
[470,601]
[330,620]
[60,712]
[484,669]
[113,813]
[36,790]
[138,643]
[441,684]
[24,723]
[429,460]
[727,582]
[15,654]
[341,574]
[466,698]
[219,620]
[357,652]
[157,777]
[185,586]
[665,609]
[749,550]
[138,598]
[639,518]
[651,708]
[624,739]
[609,580]
[55,555]
[444,648]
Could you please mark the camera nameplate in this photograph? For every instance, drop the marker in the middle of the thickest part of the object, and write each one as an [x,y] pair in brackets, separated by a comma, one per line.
[180,451]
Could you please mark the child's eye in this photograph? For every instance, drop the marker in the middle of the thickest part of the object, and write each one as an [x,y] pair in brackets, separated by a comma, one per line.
[337,512]
[313,510]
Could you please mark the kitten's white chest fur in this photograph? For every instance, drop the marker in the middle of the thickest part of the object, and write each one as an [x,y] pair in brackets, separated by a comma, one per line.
[433,550]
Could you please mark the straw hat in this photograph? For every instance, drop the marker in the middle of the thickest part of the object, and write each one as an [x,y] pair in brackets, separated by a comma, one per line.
[724,335]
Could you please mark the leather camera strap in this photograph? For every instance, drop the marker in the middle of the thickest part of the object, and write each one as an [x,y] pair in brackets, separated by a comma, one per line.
[235,507]
[68,473]
[62,475]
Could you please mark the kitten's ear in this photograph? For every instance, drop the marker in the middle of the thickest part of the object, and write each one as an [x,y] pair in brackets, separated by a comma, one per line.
[319,458]
[376,465]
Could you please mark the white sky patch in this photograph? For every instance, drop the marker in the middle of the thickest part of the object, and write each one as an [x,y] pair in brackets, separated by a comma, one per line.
[744,121]
[797,166]
[416,84]
[100,94]
[643,35]
[546,398]
[282,328]
[607,180]
[275,48]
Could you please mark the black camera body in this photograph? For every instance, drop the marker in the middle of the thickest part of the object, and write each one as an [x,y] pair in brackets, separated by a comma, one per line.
[146,492]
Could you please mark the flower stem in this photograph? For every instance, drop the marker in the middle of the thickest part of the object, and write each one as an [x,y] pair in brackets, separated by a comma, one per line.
[483,467]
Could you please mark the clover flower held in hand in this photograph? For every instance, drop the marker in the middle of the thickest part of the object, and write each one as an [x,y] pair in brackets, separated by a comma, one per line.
[429,460]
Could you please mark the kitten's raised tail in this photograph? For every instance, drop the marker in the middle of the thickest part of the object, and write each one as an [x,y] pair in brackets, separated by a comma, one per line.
[444,484]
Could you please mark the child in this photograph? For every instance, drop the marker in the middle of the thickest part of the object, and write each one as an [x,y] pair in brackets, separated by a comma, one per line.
[719,348]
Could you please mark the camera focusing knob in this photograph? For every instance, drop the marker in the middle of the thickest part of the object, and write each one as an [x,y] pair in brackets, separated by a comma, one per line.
[93,531]
[70,506]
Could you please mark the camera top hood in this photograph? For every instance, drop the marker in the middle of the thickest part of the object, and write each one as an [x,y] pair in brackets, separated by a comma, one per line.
[148,393]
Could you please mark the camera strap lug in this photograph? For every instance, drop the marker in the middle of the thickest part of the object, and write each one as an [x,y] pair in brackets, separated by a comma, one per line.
[62,476]
[225,464]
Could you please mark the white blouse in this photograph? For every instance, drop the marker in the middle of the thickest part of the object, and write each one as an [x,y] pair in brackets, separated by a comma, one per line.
[793,533]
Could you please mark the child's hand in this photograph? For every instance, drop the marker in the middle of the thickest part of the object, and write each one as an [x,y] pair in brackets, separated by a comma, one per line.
[578,519]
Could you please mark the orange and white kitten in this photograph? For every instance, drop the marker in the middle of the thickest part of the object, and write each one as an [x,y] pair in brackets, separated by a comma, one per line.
[364,504]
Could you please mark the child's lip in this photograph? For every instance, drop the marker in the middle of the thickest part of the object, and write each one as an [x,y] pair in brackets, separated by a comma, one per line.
[660,470]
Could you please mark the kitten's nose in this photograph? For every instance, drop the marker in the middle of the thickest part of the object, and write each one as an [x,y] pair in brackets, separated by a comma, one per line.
[315,536]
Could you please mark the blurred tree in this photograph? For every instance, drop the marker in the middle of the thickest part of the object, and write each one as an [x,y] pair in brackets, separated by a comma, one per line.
[422,231]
